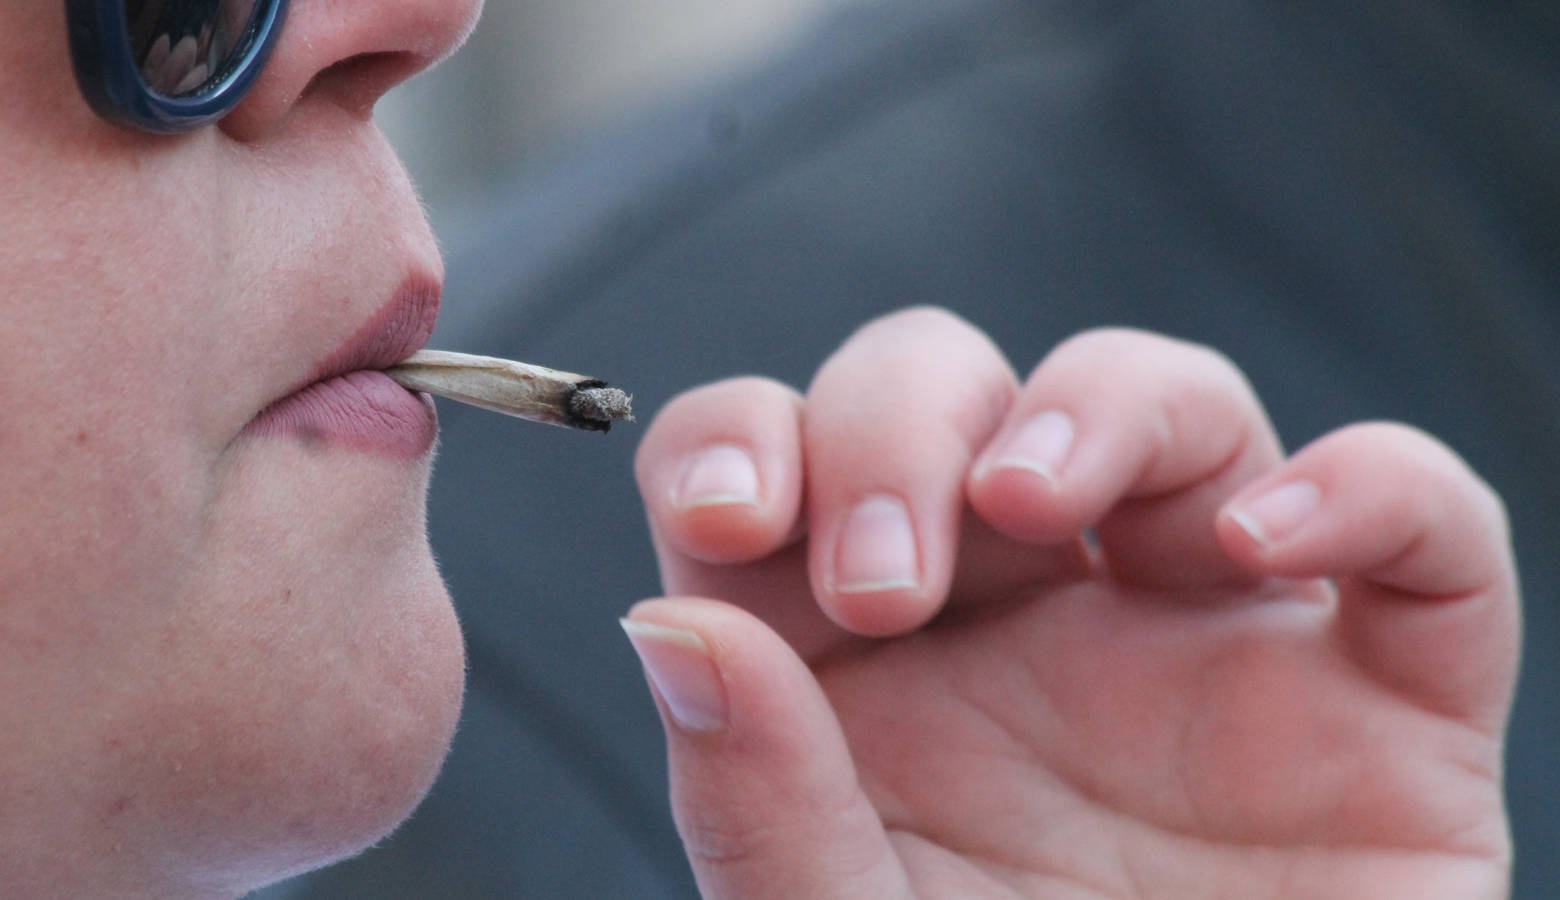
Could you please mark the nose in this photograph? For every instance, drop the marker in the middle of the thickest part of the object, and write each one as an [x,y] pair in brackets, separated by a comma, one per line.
[348,53]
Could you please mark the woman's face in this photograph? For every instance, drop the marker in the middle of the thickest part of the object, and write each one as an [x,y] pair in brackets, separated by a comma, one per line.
[226,652]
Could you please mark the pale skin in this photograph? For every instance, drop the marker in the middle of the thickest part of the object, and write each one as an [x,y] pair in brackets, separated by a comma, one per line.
[225,658]
[1221,697]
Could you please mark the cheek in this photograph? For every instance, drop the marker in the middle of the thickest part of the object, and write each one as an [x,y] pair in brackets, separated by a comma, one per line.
[103,479]
[91,520]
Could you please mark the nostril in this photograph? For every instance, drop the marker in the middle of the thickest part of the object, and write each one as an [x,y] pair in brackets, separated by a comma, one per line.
[342,57]
[357,82]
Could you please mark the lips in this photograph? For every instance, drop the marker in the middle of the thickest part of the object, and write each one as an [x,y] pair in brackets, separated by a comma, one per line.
[347,401]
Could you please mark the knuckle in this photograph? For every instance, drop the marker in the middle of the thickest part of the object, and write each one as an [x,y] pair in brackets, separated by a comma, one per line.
[740,389]
[911,368]
[1177,384]
[716,842]
[909,334]
[1427,464]
[1398,442]
[1215,364]
[747,392]
[919,317]
[1147,357]
[1084,348]
[1422,487]
[1116,342]
[741,405]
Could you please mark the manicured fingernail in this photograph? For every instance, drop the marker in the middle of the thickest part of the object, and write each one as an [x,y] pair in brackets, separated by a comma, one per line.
[678,664]
[1271,517]
[722,475]
[1040,446]
[876,549]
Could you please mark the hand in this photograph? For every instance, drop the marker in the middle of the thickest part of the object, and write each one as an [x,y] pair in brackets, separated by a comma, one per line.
[1092,636]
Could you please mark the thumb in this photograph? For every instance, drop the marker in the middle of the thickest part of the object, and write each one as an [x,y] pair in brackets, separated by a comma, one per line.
[763,788]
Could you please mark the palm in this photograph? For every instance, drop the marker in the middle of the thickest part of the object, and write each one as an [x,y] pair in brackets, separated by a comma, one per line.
[1096,735]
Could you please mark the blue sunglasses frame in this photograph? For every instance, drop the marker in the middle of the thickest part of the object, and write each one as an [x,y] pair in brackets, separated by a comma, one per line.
[110,79]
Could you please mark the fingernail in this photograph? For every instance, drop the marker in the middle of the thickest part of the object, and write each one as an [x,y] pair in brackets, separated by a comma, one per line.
[1271,517]
[1040,446]
[876,549]
[678,664]
[722,475]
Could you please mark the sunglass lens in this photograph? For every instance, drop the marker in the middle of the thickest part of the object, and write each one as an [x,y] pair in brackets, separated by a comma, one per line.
[183,46]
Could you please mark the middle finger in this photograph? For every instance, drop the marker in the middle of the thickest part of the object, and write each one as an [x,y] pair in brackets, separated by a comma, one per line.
[892,421]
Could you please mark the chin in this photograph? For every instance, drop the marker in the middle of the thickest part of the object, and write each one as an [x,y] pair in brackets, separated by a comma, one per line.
[376,747]
[319,684]
[317,755]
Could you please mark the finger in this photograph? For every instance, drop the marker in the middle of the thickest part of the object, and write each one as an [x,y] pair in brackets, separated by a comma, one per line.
[1140,436]
[1420,550]
[719,471]
[764,790]
[893,419]
[720,474]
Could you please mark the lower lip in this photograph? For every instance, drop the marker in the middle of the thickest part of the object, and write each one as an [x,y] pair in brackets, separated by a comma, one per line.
[359,410]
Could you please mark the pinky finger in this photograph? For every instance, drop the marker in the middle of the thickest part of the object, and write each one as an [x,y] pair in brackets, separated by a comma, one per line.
[1419,548]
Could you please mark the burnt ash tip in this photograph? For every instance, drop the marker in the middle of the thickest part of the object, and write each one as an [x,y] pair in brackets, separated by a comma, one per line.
[595,405]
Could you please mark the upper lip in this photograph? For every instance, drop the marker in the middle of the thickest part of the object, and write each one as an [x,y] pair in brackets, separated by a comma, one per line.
[397,330]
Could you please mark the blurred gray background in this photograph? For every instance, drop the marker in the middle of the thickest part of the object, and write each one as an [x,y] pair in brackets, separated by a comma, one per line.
[540,76]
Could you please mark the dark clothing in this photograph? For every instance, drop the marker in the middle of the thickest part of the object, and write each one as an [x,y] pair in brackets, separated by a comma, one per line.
[1359,203]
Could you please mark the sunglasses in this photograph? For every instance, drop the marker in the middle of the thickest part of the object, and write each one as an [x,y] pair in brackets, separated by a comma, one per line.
[169,66]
